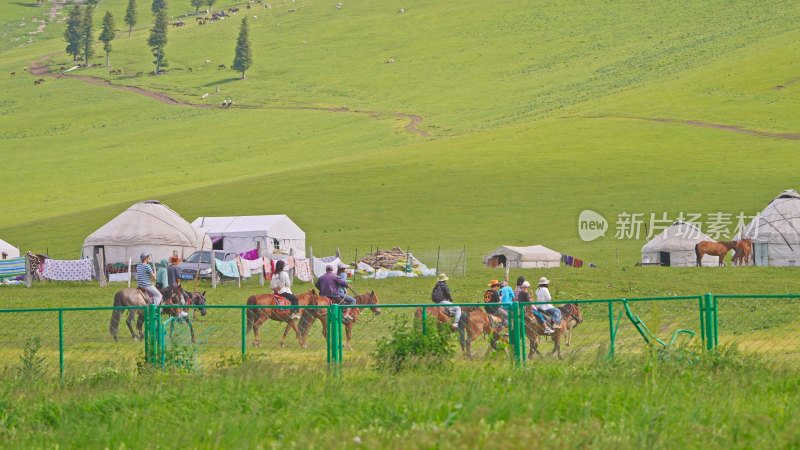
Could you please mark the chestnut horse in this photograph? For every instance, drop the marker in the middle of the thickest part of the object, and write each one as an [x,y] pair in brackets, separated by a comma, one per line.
[362,299]
[741,255]
[257,316]
[534,329]
[477,322]
[720,249]
[173,296]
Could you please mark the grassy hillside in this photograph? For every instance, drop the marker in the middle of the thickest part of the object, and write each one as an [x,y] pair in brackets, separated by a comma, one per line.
[534,114]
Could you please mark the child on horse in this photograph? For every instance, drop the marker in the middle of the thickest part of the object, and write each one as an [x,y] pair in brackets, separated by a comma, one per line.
[328,285]
[441,295]
[525,297]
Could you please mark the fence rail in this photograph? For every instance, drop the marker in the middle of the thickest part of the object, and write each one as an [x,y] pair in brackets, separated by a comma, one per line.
[73,341]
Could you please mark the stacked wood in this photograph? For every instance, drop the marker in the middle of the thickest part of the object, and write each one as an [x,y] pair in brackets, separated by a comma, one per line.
[384,258]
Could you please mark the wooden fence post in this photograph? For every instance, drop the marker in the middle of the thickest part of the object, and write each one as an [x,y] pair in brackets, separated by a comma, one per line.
[101,267]
[213,270]
[260,258]
[28,270]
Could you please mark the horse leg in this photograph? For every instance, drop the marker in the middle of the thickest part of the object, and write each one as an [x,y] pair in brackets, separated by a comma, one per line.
[257,323]
[557,345]
[191,330]
[348,331]
[285,333]
[293,323]
[115,316]
[129,322]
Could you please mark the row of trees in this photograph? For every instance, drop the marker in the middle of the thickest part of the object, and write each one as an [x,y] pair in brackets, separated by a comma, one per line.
[78,34]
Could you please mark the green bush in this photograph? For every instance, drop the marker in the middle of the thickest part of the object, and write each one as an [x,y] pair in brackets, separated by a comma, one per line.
[409,347]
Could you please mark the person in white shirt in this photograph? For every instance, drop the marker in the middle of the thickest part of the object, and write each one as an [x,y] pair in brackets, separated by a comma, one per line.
[543,300]
[281,284]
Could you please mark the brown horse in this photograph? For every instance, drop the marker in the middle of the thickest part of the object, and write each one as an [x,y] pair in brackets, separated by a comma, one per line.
[308,317]
[477,322]
[742,251]
[534,329]
[362,299]
[720,249]
[257,316]
[173,296]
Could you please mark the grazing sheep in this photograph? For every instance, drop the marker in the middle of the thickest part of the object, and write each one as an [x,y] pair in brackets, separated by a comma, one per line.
[401,10]
[390,60]
[205,95]
[208,61]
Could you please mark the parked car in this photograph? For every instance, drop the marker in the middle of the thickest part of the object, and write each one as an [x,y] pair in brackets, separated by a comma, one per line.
[189,266]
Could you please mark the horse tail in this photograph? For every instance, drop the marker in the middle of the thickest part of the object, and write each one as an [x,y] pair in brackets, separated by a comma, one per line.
[697,253]
[252,315]
[115,315]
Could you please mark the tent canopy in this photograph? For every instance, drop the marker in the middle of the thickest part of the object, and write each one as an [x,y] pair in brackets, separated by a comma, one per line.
[8,249]
[535,256]
[238,234]
[675,247]
[149,227]
[775,232]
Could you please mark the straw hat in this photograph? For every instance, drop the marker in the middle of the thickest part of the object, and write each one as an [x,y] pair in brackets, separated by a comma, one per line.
[443,277]
[494,283]
[544,280]
[175,259]
[525,284]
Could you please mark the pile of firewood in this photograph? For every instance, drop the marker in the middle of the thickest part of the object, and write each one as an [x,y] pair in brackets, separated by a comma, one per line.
[384,258]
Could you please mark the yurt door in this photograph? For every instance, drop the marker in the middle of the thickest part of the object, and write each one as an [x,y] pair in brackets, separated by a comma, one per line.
[760,254]
[663,258]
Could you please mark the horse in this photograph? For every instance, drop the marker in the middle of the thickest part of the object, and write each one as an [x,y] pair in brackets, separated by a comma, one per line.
[173,295]
[362,299]
[534,329]
[257,316]
[742,252]
[309,316]
[476,322]
[136,297]
[720,249]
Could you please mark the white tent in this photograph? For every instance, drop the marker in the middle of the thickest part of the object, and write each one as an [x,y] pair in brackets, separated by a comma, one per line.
[775,231]
[674,247]
[276,233]
[535,256]
[8,250]
[147,227]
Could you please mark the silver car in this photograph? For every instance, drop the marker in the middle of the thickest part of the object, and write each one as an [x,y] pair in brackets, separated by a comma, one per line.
[189,266]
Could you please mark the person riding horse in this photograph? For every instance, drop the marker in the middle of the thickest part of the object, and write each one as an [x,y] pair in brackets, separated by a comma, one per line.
[174,275]
[328,285]
[492,296]
[441,296]
[525,297]
[543,304]
[143,275]
[281,284]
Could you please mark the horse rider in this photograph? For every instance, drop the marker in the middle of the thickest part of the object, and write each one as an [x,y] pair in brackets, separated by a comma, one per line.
[143,275]
[525,297]
[341,273]
[162,280]
[542,302]
[518,289]
[328,285]
[506,295]
[281,284]
[441,296]
[492,296]
[174,276]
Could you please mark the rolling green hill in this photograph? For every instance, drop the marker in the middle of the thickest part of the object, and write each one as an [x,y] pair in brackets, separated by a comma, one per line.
[533,113]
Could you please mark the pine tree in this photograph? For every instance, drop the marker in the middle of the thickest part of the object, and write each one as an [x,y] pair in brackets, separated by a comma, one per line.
[130,16]
[243,59]
[158,38]
[158,6]
[86,35]
[72,34]
[108,33]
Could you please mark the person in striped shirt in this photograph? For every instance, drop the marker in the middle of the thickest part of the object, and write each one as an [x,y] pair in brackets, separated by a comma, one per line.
[143,275]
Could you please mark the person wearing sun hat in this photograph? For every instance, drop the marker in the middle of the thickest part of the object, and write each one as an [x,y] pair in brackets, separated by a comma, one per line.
[441,296]
[492,296]
[174,275]
[543,300]
[525,297]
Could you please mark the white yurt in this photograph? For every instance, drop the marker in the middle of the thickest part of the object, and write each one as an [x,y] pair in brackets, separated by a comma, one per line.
[775,232]
[533,257]
[674,247]
[7,250]
[146,227]
[239,234]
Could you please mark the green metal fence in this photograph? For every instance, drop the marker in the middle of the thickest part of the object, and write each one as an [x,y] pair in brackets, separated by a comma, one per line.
[71,342]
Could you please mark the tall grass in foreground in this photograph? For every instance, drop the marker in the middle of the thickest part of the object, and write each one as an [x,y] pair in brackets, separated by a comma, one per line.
[683,399]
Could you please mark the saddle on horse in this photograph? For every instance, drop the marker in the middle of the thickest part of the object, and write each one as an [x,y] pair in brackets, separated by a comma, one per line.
[449,311]
[148,297]
[282,301]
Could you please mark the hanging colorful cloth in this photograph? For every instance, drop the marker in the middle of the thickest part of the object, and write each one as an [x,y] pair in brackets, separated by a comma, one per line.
[303,270]
[577,263]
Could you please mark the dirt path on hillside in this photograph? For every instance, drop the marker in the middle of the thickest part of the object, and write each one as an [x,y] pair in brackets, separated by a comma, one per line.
[734,128]
[40,69]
